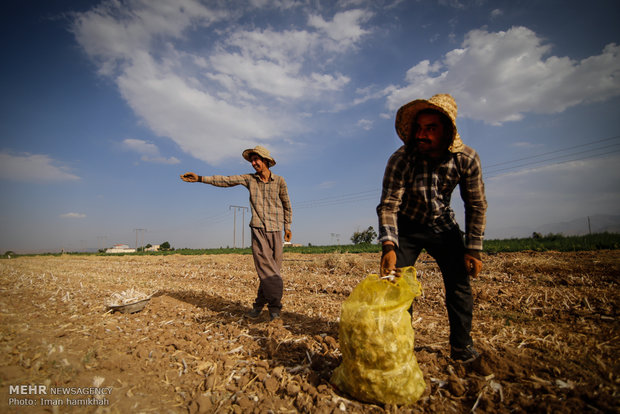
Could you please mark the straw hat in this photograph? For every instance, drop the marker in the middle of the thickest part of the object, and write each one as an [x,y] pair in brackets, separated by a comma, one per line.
[443,103]
[262,152]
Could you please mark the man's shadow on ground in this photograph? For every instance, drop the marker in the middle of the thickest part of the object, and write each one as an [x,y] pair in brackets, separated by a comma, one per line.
[296,353]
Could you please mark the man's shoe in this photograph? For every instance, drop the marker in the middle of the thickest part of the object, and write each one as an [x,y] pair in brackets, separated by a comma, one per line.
[254,313]
[274,315]
[465,355]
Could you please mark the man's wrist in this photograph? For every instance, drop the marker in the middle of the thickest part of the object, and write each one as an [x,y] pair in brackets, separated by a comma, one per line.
[474,253]
[199,180]
[387,247]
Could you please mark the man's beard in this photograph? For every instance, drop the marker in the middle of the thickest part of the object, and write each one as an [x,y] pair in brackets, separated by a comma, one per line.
[411,147]
[412,150]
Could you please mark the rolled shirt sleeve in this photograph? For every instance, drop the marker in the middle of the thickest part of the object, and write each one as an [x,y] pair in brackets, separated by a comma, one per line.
[472,192]
[391,198]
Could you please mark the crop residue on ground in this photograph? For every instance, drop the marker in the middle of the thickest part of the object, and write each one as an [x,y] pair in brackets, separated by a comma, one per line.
[547,323]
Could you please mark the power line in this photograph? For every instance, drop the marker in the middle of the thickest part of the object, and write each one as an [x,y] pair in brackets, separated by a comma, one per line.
[494,174]
[560,157]
[556,156]
[340,199]
[216,218]
[489,171]
[554,151]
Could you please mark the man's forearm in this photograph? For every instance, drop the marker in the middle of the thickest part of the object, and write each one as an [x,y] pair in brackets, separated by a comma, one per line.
[475,223]
[223,180]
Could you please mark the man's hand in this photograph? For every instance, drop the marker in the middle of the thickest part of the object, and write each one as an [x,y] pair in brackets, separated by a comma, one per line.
[189,177]
[473,262]
[388,258]
[288,235]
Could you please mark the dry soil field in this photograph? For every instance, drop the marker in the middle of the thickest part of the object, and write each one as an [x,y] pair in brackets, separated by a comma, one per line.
[547,323]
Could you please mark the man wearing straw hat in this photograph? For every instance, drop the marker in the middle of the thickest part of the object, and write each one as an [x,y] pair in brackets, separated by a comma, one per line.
[415,213]
[271,212]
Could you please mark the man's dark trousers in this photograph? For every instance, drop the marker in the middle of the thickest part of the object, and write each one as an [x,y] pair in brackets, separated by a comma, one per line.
[448,249]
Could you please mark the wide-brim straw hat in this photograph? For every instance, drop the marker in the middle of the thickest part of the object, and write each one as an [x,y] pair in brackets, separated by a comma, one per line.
[260,151]
[443,103]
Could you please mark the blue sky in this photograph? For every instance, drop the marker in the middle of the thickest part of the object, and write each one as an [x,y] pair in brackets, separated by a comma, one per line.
[106,103]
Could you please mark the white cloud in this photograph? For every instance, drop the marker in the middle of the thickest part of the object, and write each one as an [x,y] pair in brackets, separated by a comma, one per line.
[284,48]
[344,29]
[272,63]
[243,88]
[149,151]
[262,75]
[499,77]
[452,3]
[33,167]
[141,146]
[495,13]
[112,32]
[365,124]
[161,160]
[279,4]
[203,125]
[73,215]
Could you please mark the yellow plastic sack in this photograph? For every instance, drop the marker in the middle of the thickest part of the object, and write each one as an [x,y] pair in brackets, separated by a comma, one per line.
[376,341]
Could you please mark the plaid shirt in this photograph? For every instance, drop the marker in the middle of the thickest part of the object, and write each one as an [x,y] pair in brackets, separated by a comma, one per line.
[421,192]
[269,201]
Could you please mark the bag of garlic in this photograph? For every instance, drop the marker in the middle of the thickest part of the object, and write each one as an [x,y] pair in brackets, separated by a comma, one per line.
[376,340]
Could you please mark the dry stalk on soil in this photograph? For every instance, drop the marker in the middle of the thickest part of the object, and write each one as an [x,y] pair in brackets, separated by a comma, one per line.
[546,322]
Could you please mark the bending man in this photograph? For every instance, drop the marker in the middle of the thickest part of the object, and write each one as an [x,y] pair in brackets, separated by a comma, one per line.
[415,212]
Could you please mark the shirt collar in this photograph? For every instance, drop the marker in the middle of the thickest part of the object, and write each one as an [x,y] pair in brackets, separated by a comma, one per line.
[257,176]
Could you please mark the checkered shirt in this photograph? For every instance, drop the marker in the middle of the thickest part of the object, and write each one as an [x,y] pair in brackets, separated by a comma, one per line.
[421,192]
[270,204]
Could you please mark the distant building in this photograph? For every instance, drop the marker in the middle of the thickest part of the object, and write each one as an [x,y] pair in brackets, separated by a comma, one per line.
[154,248]
[120,248]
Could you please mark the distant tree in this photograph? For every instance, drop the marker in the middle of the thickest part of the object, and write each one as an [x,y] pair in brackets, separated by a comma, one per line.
[364,237]
[536,235]
[148,246]
[165,246]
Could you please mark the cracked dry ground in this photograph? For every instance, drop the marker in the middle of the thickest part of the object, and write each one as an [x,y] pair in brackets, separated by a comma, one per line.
[547,323]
